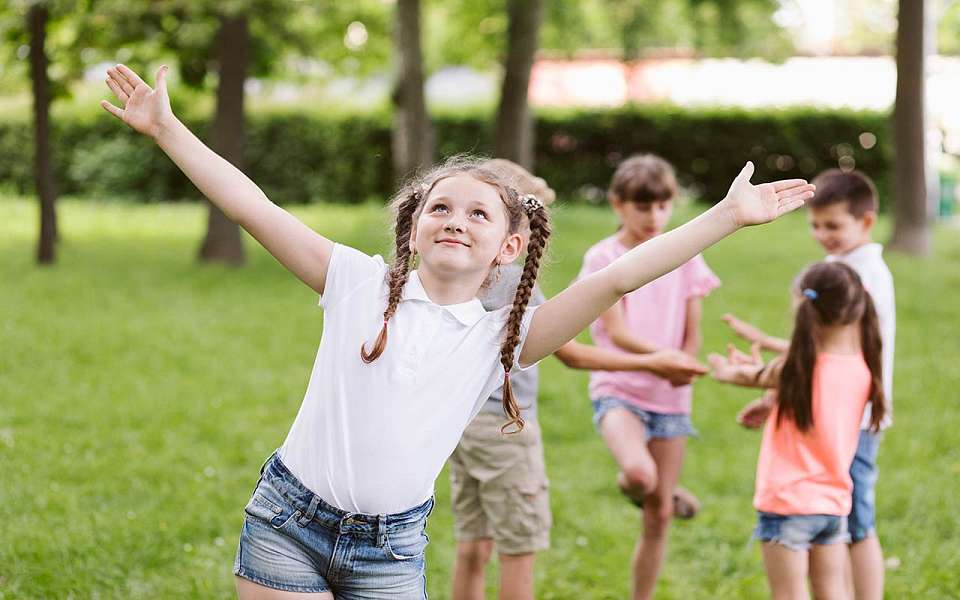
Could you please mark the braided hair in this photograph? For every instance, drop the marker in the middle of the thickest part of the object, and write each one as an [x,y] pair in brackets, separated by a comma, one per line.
[539,234]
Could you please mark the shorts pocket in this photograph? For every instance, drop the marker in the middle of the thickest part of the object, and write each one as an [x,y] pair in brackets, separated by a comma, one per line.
[408,544]
[529,506]
[262,508]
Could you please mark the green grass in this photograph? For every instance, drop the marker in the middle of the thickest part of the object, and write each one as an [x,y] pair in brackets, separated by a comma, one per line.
[139,393]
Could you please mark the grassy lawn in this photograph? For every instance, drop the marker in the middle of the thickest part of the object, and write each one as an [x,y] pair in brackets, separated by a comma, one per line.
[139,393]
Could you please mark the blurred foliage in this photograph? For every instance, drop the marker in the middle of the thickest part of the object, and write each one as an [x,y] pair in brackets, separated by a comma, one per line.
[309,156]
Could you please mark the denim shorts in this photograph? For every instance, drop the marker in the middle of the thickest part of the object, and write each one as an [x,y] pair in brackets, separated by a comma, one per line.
[799,532]
[292,540]
[863,515]
[658,425]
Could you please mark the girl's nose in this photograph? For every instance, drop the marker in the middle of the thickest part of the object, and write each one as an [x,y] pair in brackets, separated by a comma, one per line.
[453,225]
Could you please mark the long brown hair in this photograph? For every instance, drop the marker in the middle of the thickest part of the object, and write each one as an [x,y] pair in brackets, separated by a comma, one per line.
[407,204]
[831,294]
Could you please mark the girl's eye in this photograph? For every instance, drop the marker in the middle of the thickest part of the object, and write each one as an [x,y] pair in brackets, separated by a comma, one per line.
[480,213]
[439,208]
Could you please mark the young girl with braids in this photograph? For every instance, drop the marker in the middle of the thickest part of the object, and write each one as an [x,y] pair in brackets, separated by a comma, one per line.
[831,372]
[407,355]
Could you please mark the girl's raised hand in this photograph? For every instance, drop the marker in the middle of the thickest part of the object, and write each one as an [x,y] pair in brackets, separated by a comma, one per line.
[144,109]
[754,204]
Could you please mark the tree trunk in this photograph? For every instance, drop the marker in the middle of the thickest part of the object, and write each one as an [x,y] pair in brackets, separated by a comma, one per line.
[412,136]
[43,164]
[514,133]
[223,242]
[911,226]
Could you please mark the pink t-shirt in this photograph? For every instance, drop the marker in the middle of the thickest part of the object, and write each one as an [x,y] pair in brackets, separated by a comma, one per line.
[656,313]
[809,473]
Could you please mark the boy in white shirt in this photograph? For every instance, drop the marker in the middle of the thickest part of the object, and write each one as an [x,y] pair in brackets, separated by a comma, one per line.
[842,215]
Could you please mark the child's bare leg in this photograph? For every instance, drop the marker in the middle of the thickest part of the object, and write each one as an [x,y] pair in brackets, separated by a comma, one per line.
[657,514]
[866,557]
[248,590]
[469,569]
[626,437]
[827,571]
[516,576]
[786,572]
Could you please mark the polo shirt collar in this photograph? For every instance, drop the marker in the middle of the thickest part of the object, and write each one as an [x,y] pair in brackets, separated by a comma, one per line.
[468,312]
[869,250]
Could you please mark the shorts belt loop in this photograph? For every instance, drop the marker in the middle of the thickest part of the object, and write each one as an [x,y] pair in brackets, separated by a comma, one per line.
[381,530]
[311,511]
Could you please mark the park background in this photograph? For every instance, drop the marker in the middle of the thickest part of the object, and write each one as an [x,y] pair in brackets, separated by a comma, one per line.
[152,356]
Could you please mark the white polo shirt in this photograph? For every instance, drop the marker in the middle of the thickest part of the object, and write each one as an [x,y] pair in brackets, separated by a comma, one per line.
[867,261]
[372,438]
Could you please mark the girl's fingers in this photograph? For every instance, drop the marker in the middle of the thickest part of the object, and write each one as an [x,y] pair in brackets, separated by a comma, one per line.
[786,184]
[797,191]
[132,77]
[791,205]
[117,91]
[747,172]
[121,81]
[113,110]
[161,78]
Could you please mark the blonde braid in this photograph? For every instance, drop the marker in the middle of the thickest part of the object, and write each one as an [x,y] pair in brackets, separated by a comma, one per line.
[539,233]
[399,270]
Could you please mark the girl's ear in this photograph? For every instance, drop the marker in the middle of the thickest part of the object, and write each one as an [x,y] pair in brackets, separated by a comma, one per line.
[511,248]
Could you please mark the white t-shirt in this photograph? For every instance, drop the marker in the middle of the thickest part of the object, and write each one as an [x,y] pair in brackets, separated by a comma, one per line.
[372,438]
[867,261]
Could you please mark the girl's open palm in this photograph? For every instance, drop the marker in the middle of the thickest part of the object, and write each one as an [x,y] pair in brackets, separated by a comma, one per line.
[754,204]
[144,108]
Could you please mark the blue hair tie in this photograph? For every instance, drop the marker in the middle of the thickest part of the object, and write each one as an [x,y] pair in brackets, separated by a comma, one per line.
[812,294]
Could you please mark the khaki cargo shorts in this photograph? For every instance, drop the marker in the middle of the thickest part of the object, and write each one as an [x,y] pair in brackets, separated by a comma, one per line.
[499,486]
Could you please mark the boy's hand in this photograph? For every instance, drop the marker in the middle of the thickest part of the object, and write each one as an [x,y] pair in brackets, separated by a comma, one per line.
[745,330]
[677,367]
[755,204]
[144,109]
[754,414]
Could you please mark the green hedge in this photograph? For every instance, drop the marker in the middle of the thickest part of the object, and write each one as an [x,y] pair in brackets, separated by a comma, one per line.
[306,157]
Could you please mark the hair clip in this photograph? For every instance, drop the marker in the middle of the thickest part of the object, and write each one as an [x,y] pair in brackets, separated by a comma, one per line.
[809,293]
[530,203]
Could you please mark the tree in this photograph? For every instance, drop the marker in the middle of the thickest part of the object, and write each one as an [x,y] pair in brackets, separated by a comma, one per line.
[514,137]
[44,181]
[911,227]
[413,137]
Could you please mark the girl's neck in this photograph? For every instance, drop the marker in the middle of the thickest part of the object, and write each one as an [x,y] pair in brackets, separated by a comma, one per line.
[628,240]
[445,289]
[840,339]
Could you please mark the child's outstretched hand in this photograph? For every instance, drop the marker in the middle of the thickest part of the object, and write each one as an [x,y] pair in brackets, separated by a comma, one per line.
[754,204]
[144,109]
[676,366]
[737,367]
[754,414]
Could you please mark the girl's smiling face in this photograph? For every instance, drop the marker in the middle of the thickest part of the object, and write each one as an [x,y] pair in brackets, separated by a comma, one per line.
[463,228]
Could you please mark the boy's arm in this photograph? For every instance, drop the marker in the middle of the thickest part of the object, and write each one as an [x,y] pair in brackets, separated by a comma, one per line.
[562,317]
[301,250]
[621,335]
[692,339]
[754,334]
[675,366]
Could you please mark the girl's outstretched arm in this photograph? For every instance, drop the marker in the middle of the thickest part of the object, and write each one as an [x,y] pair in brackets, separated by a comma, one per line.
[562,317]
[304,252]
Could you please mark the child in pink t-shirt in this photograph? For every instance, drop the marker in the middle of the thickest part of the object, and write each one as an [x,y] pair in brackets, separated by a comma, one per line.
[643,419]
[831,371]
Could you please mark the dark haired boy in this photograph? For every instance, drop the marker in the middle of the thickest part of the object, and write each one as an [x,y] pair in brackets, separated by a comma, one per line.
[841,216]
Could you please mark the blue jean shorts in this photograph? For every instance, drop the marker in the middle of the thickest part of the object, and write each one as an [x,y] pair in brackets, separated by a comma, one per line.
[799,532]
[863,515]
[658,425]
[292,540]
